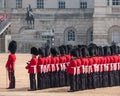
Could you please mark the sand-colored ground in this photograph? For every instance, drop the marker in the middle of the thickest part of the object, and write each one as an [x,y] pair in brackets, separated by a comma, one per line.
[22,83]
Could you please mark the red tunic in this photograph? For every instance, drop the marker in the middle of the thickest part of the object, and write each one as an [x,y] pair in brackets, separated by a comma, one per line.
[48,63]
[90,65]
[62,62]
[72,66]
[101,62]
[11,63]
[57,63]
[32,66]
[41,62]
[79,70]
[85,62]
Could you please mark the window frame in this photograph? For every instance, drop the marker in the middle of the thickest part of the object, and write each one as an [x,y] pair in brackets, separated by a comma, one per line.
[83,5]
[61,4]
[19,3]
[40,4]
[71,35]
[116,2]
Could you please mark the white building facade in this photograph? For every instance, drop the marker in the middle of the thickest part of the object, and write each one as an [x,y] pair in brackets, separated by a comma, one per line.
[71,21]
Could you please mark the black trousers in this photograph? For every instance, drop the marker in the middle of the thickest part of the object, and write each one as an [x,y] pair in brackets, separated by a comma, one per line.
[100,79]
[83,81]
[55,79]
[66,77]
[95,79]
[32,81]
[11,79]
[111,78]
[40,80]
[72,82]
[116,77]
[61,78]
[105,79]
[90,80]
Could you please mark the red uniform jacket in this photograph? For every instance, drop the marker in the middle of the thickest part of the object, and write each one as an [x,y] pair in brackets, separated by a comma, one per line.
[95,64]
[72,65]
[115,65]
[84,62]
[53,62]
[32,66]
[48,63]
[62,62]
[79,70]
[57,63]
[90,65]
[40,64]
[101,62]
[11,63]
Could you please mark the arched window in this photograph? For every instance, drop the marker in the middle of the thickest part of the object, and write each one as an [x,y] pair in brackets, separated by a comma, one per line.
[71,35]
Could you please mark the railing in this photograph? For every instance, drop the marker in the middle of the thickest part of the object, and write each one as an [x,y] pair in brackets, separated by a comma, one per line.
[4,21]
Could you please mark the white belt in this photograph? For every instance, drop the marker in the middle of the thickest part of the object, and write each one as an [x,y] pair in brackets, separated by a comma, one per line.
[44,68]
[61,66]
[47,67]
[53,67]
[111,67]
[105,67]
[64,67]
[86,69]
[34,68]
[115,66]
[67,63]
[41,68]
[57,67]
[101,67]
[78,70]
[83,68]
[95,67]
[74,68]
[118,66]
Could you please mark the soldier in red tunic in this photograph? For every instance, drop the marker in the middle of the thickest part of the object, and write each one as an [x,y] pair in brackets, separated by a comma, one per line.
[40,71]
[71,69]
[10,65]
[62,60]
[32,69]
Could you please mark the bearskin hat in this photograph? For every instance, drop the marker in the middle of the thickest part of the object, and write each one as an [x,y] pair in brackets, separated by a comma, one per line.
[34,51]
[62,51]
[74,52]
[84,52]
[53,51]
[91,51]
[12,47]
[101,51]
[107,51]
[69,48]
[47,51]
[41,52]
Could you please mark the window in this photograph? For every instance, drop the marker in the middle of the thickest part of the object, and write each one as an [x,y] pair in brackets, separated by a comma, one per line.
[61,4]
[115,2]
[108,2]
[116,37]
[71,35]
[18,3]
[40,3]
[83,4]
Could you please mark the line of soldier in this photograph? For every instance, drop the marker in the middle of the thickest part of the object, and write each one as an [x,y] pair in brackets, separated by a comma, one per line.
[82,67]
[50,67]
